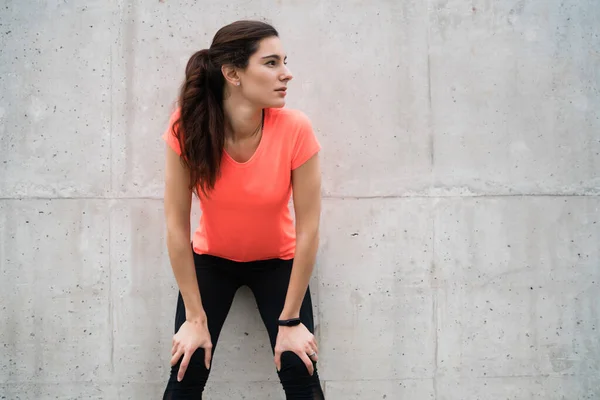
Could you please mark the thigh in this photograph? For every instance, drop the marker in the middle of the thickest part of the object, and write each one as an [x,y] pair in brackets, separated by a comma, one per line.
[269,284]
[217,291]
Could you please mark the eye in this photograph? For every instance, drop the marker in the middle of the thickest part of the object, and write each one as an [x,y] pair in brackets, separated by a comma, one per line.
[272,62]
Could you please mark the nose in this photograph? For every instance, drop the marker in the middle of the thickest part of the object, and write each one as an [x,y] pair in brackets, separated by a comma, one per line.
[287,74]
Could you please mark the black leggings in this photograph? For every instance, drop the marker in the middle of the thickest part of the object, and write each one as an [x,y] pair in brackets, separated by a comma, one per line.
[218,280]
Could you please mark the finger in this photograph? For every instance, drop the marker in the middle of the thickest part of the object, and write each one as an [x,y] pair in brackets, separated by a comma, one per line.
[176,356]
[306,360]
[207,356]
[278,360]
[314,345]
[184,365]
[173,350]
[314,356]
[312,353]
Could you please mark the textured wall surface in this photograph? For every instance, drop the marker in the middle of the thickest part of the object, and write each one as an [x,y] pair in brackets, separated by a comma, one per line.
[461,183]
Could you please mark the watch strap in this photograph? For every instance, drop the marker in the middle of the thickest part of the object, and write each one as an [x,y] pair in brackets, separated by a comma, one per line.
[289,322]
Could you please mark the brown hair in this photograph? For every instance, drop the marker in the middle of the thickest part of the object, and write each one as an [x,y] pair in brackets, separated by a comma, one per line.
[202,119]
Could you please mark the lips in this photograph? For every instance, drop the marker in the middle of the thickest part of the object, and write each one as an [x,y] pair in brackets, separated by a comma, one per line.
[281,89]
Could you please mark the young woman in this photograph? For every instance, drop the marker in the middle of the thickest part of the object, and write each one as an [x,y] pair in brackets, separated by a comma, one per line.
[231,142]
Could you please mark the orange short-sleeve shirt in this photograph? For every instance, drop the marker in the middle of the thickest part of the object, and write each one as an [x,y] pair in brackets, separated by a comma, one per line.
[246,217]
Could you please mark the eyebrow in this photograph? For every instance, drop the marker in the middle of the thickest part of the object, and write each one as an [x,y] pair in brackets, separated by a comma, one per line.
[275,56]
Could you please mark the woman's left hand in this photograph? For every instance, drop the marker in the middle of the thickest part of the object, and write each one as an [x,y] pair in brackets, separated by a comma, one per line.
[299,340]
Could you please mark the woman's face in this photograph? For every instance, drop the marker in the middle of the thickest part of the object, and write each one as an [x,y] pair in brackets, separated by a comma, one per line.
[265,79]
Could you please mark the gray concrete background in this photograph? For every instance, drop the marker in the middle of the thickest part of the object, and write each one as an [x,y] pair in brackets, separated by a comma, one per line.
[459,256]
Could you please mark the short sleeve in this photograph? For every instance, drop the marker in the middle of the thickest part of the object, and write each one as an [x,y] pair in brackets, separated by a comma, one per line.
[306,144]
[169,135]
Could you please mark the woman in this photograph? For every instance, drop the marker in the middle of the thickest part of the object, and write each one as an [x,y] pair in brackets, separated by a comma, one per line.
[231,142]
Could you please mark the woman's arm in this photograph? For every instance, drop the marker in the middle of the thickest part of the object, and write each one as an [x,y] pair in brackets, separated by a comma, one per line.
[178,200]
[194,333]
[306,185]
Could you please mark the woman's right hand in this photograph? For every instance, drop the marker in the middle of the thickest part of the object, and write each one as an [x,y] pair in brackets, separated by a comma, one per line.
[192,335]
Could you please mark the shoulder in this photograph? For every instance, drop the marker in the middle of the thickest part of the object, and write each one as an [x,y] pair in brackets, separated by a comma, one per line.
[291,118]
[175,114]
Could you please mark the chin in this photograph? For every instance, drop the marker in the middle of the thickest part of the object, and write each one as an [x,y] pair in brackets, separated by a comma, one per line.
[277,104]
[270,102]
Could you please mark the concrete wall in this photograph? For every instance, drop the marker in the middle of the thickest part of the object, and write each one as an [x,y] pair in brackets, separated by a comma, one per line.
[459,256]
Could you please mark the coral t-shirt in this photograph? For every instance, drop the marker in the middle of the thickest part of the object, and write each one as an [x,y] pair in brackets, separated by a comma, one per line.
[247,217]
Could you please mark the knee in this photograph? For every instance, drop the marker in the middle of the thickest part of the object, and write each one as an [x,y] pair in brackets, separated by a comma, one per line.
[193,382]
[296,380]
[293,368]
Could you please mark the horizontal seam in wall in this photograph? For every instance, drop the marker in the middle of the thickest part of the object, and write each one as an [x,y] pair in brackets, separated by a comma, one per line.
[340,197]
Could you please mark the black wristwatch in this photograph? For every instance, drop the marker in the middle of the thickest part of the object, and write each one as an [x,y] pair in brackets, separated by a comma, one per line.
[289,322]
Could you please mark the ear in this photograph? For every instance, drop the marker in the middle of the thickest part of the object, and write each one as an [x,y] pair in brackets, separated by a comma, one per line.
[230,74]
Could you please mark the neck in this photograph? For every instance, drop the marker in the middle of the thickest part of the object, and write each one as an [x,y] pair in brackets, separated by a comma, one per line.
[241,118]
